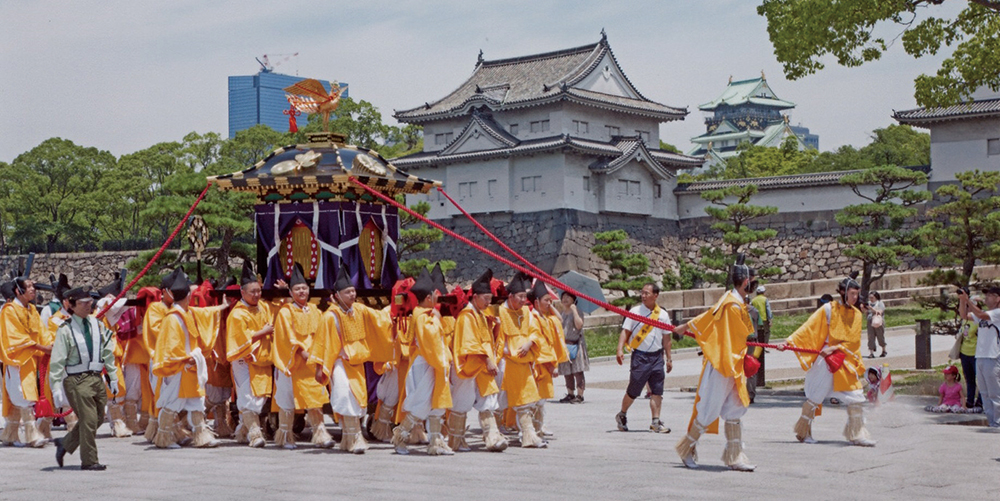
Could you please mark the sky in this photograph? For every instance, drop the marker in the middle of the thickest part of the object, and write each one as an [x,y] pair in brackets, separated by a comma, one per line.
[124,75]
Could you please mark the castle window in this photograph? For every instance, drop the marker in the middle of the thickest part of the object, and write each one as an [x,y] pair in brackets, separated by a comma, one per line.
[657,190]
[467,189]
[614,131]
[643,135]
[581,127]
[540,126]
[993,147]
[629,188]
[531,183]
[492,189]
[444,138]
[513,129]
[586,183]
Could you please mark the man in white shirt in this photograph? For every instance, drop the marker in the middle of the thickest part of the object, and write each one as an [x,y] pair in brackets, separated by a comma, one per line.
[650,348]
[987,349]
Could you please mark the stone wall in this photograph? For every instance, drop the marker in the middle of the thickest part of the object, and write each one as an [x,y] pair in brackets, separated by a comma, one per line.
[83,268]
[805,248]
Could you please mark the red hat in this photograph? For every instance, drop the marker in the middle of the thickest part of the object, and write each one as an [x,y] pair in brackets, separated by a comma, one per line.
[951,369]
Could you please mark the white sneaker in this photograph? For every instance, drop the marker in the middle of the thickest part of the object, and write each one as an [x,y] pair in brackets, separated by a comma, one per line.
[809,440]
[863,442]
[742,467]
[689,462]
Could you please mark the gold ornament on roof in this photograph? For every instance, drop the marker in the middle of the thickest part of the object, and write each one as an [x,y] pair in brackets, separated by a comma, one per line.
[302,161]
[363,162]
[309,96]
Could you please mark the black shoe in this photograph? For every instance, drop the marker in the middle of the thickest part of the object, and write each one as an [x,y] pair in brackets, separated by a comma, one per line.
[60,452]
[568,399]
[578,399]
[94,467]
[622,421]
[883,354]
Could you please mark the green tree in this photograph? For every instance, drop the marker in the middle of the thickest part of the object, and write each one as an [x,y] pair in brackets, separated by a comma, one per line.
[359,121]
[762,161]
[804,32]
[138,180]
[874,232]
[628,269]
[731,219]
[668,147]
[686,277]
[59,195]
[416,236]
[964,230]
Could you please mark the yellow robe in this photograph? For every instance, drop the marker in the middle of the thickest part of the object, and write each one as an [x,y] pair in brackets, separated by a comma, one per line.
[48,338]
[517,327]
[173,345]
[844,332]
[150,331]
[346,336]
[430,344]
[241,325]
[473,346]
[119,353]
[722,332]
[20,330]
[296,327]
[552,352]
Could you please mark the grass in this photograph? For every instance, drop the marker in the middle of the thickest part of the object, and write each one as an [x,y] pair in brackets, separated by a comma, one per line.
[603,341]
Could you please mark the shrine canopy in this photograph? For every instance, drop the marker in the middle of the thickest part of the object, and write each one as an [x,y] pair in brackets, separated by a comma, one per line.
[308,212]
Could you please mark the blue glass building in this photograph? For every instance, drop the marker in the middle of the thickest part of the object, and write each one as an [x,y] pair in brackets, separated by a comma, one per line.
[260,99]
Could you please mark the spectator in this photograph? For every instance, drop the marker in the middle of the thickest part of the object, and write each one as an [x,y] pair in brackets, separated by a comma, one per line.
[987,349]
[876,323]
[650,348]
[579,361]
[950,392]
[967,355]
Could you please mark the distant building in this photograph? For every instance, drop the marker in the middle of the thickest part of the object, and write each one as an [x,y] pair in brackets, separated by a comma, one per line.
[964,137]
[260,99]
[552,131]
[810,140]
[747,111]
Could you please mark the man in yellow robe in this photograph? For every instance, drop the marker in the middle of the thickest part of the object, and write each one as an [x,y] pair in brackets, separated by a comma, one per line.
[721,333]
[296,326]
[249,329]
[552,349]
[341,350]
[522,340]
[139,396]
[836,326]
[428,394]
[20,345]
[475,348]
[50,325]
[151,322]
[185,333]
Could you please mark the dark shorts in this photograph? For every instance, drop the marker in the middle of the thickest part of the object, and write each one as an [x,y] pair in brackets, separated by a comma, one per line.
[646,367]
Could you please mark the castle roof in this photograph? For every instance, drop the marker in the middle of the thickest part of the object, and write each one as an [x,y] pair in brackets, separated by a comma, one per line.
[752,91]
[521,82]
[924,117]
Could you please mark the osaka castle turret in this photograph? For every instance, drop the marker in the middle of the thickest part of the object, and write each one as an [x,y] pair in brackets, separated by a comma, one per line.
[748,110]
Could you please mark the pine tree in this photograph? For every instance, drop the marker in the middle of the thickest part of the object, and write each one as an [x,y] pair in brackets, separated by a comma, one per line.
[731,218]
[627,269]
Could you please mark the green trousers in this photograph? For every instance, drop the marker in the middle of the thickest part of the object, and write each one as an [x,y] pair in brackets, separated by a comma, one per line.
[88,396]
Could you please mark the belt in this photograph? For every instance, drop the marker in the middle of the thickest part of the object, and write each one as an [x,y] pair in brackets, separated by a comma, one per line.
[84,373]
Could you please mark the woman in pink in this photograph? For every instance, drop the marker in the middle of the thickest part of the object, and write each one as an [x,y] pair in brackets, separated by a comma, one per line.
[951,399]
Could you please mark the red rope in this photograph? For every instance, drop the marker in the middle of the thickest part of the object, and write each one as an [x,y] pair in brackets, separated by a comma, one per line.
[543,278]
[497,240]
[158,253]
[787,347]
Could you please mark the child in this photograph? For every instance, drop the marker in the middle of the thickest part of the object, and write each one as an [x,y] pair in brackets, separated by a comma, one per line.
[952,399]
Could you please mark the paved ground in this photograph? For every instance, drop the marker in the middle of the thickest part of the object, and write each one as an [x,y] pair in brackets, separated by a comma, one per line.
[919,456]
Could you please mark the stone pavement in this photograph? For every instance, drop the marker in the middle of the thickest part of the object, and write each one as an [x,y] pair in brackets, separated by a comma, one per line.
[919,456]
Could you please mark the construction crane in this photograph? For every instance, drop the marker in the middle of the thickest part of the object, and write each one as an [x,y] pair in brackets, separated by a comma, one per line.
[266,66]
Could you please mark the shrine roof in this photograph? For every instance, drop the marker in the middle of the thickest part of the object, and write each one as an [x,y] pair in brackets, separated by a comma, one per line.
[537,79]
[321,171]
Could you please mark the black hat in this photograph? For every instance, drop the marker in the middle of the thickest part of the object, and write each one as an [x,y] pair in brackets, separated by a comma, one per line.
[482,284]
[849,282]
[520,283]
[7,290]
[741,271]
[343,279]
[168,279]
[538,291]
[181,286]
[247,276]
[423,286]
[113,288]
[437,276]
[77,294]
[992,288]
[298,277]
[61,287]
